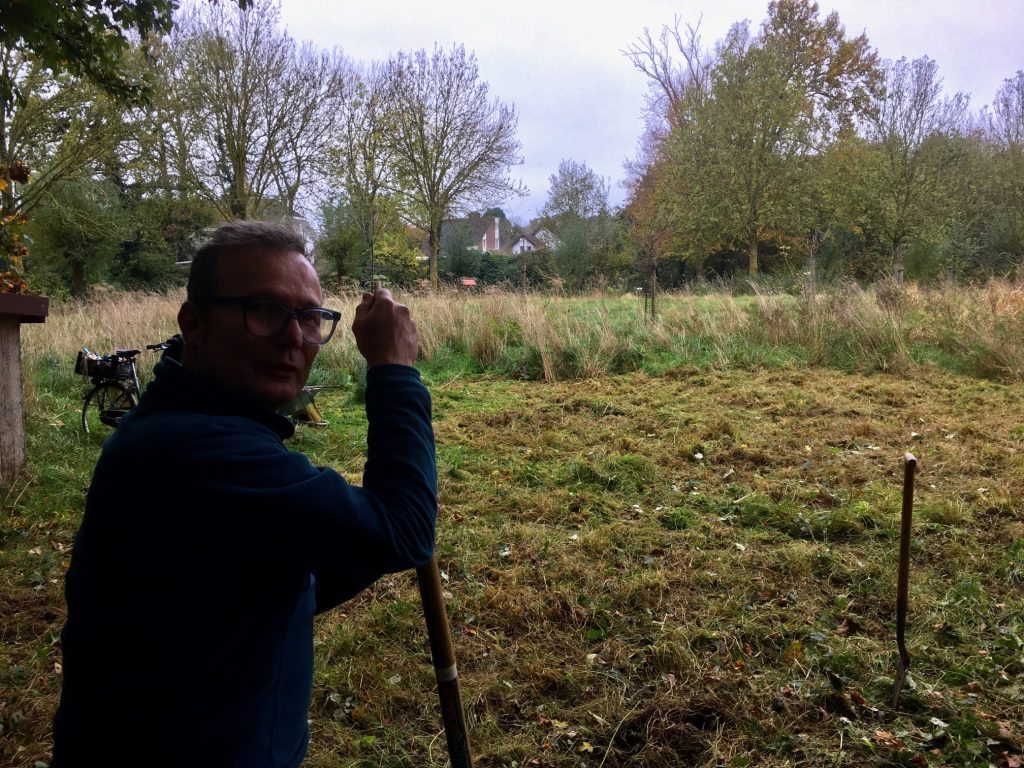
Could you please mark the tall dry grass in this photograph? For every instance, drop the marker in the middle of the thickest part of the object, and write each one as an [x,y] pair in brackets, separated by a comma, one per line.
[981,325]
[977,330]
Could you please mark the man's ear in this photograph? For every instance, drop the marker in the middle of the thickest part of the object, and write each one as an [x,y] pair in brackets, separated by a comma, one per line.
[192,322]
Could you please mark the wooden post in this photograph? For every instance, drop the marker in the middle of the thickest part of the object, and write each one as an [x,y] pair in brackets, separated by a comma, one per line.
[14,310]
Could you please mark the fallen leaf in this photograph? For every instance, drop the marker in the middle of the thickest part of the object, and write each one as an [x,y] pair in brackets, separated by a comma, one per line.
[794,651]
[847,627]
[886,739]
[586,746]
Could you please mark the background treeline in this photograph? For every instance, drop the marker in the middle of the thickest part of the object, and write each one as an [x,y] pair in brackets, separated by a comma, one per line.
[789,149]
[794,147]
[234,119]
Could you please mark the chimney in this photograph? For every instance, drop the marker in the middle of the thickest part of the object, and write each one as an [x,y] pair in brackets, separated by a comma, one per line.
[497,234]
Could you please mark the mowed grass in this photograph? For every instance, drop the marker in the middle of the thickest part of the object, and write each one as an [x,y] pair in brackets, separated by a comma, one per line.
[691,563]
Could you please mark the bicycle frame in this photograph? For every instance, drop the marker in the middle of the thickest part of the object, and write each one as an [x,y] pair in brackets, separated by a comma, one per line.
[113,380]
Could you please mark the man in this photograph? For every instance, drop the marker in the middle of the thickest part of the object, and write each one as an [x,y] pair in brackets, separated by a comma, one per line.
[207,546]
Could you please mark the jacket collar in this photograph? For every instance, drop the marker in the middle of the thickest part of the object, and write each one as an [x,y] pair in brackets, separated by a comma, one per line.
[176,387]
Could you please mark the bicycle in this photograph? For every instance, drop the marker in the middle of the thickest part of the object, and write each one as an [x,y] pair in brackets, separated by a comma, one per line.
[116,388]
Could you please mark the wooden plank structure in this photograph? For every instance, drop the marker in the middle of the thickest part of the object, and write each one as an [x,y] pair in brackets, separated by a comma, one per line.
[14,310]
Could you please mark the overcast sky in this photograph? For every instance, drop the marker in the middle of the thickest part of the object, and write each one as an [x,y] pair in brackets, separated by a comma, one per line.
[560,61]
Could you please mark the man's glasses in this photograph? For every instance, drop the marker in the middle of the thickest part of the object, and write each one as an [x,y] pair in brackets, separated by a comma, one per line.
[266,317]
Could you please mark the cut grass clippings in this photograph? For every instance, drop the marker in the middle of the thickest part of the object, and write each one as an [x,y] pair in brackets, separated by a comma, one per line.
[695,568]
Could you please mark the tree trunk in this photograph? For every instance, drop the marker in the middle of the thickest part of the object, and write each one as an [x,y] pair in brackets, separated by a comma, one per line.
[897,265]
[435,248]
[752,260]
[372,264]
[522,271]
[78,285]
[654,285]
[812,264]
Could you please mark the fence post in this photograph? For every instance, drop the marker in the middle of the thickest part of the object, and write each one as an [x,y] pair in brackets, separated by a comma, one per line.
[14,310]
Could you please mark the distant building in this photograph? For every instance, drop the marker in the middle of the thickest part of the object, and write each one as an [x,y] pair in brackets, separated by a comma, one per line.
[526,244]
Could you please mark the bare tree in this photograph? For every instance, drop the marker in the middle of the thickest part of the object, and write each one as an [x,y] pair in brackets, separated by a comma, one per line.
[453,146]
[910,113]
[1008,108]
[1006,128]
[252,113]
[364,158]
[675,87]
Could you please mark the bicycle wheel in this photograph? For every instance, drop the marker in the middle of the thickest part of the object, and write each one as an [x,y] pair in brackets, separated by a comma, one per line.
[105,405]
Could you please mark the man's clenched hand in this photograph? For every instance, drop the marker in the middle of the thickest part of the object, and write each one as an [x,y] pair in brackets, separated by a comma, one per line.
[384,330]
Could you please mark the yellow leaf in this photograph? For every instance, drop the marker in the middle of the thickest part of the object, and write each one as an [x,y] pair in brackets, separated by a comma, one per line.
[559,724]
[586,746]
[794,651]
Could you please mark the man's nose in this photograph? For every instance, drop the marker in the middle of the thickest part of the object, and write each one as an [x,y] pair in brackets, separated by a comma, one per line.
[292,333]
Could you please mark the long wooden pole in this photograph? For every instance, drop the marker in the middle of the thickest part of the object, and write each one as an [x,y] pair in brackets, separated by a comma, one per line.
[443,654]
[903,575]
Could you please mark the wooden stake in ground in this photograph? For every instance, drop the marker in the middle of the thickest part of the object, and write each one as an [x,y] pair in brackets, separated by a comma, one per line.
[443,654]
[903,576]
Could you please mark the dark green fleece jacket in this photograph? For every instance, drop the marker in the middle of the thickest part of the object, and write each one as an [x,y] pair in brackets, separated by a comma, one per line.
[205,550]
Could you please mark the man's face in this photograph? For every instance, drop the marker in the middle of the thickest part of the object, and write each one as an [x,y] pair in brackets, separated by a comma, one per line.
[271,370]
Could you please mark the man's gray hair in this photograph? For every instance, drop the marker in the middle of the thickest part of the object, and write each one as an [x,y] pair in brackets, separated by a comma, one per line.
[257,236]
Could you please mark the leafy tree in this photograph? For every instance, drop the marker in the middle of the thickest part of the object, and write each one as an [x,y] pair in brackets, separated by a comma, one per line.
[60,127]
[158,232]
[90,38]
[577,209]
[340,242]
[398,258]
[76,230]
[453,145]
[573,259]
[740,134]
[460,252]
[576,193]
[497,268]
[396,255]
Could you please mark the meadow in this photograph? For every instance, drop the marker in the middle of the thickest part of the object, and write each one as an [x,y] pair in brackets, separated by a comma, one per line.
[665,542]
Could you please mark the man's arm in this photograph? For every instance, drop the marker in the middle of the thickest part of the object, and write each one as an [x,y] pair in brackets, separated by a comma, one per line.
[401,461]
